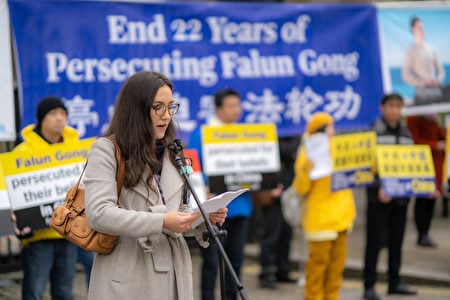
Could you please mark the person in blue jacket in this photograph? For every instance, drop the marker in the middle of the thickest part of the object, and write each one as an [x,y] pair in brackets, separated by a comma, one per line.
[228,111]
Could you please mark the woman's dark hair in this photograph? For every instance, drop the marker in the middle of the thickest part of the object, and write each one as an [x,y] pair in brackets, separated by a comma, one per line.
[132,126]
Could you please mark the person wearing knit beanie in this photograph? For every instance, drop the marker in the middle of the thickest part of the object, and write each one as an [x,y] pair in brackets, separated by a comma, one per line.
[46,105]
[47,258]
[318,121]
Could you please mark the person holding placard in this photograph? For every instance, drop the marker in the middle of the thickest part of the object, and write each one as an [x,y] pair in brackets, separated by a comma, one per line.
[228,111]
[327,216]
[426,130]
[386,216]
[46,254]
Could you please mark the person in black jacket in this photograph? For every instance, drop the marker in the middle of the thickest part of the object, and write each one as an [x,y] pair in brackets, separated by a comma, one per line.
[386,216]
[276,233]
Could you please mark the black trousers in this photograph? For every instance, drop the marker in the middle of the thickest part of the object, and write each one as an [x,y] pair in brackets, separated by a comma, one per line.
[233,245]
[275,242]
[385,226]
[423,214]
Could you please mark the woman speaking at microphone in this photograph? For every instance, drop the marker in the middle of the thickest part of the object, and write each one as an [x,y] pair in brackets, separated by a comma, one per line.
[151,259]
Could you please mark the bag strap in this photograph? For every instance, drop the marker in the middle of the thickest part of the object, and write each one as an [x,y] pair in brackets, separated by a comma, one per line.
[120,173]
[74,191]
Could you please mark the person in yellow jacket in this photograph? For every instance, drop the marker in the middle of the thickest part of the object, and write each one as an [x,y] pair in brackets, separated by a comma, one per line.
[327,217]
[46,254]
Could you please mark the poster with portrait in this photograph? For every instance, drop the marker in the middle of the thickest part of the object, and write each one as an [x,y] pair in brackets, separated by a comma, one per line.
[415,54]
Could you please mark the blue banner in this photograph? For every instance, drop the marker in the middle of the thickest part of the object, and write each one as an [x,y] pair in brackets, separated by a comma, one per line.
[286,60]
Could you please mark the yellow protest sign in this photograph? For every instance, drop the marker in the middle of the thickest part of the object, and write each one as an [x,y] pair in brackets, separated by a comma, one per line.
[37,181]
[240,155]
[353,156]
[239,133]
[52,156]
[406,170]
[2,178]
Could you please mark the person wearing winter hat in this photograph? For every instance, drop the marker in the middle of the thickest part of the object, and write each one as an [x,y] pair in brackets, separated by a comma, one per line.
[46,105]
[327,217]
[47,255]
[318,122]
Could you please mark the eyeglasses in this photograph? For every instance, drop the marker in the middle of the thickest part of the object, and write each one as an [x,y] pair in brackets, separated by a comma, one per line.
[160,109]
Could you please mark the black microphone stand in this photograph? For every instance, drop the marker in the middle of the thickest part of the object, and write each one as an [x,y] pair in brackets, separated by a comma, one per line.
[213,231]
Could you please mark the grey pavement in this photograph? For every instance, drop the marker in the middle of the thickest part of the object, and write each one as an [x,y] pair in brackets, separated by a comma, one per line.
[426,270]
[420,265]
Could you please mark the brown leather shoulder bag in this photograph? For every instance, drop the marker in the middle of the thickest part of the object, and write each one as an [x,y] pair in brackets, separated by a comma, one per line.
[70,220]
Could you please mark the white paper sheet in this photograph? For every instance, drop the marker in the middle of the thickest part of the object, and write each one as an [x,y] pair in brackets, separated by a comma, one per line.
[219,201]
[318,152]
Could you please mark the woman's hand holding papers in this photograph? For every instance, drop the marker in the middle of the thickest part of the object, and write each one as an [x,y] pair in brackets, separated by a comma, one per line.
[180,222]
[219,216]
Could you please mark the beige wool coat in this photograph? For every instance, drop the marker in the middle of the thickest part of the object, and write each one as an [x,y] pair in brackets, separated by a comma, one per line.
[148,262]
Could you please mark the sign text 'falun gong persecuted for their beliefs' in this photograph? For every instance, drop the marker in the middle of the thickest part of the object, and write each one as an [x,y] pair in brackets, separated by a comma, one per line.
[37,182]
[239,156]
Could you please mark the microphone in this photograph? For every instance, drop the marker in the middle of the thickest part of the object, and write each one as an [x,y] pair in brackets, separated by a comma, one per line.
[176,147]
